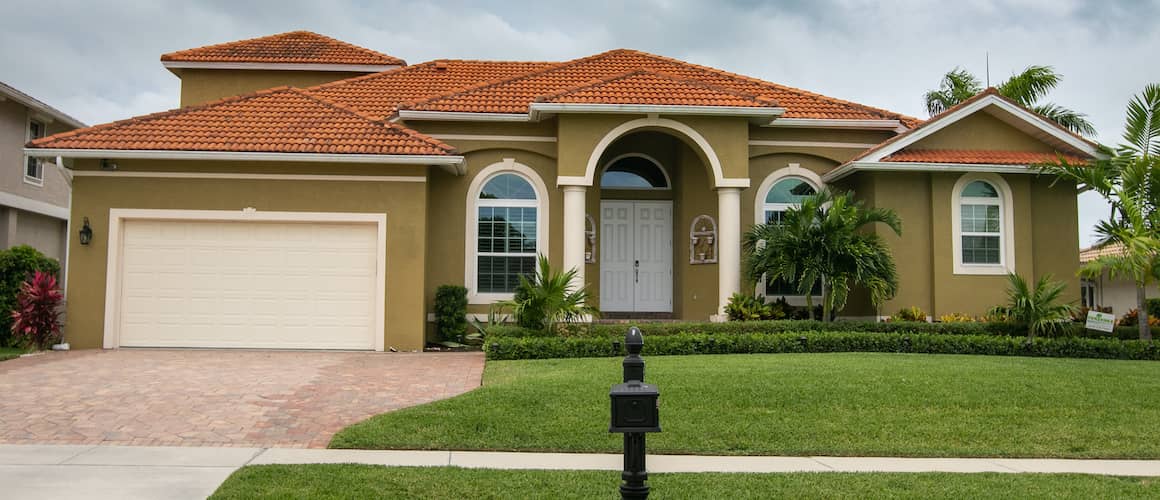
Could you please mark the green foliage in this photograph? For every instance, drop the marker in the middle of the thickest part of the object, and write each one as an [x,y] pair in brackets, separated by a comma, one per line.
[743,307]
[824,240]
[1036,308]
[451,312]
[912,313]
[1154,307]
[16,265]
[1026,88]
[548,300]
[825,341]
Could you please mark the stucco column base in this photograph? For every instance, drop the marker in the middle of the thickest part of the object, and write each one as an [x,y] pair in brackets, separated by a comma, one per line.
[729,246]
[574,210]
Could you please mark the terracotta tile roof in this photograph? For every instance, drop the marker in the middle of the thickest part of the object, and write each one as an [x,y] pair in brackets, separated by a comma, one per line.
[979,156]
[293,47]
[990,91]
[278,120]
[513,95]
[1096,251]
[379,94]
[649,87]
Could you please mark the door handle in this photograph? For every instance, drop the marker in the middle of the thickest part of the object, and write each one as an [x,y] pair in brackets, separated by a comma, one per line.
[636,271]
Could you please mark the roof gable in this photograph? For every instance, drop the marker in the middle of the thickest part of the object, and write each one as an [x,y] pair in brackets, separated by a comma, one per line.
[278,120]
[295,47]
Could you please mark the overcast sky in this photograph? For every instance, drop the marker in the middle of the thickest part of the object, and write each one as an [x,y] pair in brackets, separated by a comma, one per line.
[98,60]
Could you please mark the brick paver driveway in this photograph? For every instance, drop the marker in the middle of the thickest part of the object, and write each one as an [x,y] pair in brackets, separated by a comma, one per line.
[216,397]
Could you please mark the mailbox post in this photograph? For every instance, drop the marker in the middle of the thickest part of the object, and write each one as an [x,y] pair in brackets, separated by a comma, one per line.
[634,413]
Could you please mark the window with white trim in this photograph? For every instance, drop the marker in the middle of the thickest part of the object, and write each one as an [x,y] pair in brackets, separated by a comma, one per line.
[783,195]
[634,172]
[33,169]
[507,220]
[981,223]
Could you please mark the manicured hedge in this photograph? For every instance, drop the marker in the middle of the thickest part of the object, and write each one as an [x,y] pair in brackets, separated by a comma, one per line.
[782,326]
[502,348]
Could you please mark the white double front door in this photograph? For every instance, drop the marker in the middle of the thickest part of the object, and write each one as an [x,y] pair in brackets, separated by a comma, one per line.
[636,256]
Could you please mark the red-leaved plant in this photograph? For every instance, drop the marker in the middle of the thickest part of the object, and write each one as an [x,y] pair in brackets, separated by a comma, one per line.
[36,320]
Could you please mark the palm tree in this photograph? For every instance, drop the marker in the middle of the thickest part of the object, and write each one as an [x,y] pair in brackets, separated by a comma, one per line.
[1025,88]
[1128,177]
[1037,307]
[823,240]
[548,298]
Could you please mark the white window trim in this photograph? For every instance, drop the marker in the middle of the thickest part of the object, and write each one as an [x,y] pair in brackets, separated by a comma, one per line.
[28,179]
[507,165]
[1006,225]
[668,180]
[795,171]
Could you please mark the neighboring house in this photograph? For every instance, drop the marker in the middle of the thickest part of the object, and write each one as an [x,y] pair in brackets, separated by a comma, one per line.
[34,193]
[1119,293]
[325,217]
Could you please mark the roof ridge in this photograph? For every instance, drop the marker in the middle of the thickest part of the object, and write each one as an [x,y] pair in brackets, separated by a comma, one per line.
[499,81]
[663,74]
[738,76]
[161,114]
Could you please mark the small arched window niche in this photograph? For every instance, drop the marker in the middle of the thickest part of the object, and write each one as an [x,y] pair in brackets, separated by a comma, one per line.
[506,230]
[982,225]
[703,240]
[589,239]
[634,171]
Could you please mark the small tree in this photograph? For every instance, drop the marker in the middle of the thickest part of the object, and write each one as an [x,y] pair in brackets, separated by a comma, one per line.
[1026,88]
[17,264]
[548,298]
[1038,308]
[36,320]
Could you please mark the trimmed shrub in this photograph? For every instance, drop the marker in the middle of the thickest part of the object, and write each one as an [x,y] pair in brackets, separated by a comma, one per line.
[451,312]
[18,264]
[818,342]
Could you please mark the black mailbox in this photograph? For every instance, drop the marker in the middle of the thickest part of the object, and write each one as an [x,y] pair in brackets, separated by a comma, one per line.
[634,407]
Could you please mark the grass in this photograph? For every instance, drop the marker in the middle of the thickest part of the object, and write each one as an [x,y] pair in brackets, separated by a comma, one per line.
[10,352]
[802,404]
[369,481]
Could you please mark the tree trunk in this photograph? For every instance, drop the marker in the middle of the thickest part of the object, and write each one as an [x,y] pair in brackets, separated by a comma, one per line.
[1142,313]
[810,305]
[826,301]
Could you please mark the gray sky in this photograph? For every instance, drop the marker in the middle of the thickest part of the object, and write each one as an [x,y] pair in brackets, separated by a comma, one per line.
[98,60]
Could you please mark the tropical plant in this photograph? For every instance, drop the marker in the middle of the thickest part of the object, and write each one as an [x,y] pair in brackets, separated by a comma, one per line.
[451,312]
[824,240]
[549,299]
[17,264]
[743,307]
[1025,88]
[956,318]
[912,313]
[495,317]
[36,320]
[1128,177]
[1038,308]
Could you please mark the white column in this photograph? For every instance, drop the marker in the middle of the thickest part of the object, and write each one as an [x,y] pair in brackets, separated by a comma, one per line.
[574,197]
[728,247]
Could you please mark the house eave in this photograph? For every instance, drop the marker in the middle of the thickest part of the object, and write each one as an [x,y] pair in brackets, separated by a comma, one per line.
[454,163]
[850,168]
[891,125]
[405,114]
[348,68]
[541,110]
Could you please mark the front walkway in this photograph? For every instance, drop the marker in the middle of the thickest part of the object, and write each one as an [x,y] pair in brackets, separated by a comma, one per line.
[128,472]
[235,398]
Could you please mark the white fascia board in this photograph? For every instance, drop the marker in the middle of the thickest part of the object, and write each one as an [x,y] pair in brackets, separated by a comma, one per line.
[540,110]
[990,100]
[8,92]
[810,144]
[836,123]
[244,156]
[850,168]
[34,206]
[356,68]
[405,114]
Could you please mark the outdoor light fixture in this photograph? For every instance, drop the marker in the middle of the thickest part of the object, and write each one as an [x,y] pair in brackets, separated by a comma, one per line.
[86,232]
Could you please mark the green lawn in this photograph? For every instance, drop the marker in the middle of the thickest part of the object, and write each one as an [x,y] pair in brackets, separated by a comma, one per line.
[10,352]
[369,481]
[802,404]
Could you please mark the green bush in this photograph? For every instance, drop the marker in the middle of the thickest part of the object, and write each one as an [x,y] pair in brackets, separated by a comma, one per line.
[451,312]
[1153,308]
[912,313]
[16,265]
[815,341]
[743,307]
[783,326]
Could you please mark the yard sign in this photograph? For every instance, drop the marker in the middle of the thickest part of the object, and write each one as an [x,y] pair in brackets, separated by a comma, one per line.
[1103,322]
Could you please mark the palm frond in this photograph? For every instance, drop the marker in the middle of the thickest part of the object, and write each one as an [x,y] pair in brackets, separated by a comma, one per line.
[1030,85]
[1066,118]
[1142,129]
[956,86]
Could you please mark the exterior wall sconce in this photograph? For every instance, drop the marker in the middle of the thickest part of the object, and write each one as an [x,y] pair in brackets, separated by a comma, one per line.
[86,232]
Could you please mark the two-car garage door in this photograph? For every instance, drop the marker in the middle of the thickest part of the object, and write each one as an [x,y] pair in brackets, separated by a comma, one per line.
[254,284]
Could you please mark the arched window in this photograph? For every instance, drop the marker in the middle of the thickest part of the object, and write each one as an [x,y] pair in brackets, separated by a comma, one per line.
[506,230]
[634,171]
[786,193]
[782,190]
[982,225]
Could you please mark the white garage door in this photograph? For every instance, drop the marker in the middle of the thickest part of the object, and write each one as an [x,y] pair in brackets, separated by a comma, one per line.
[279,285]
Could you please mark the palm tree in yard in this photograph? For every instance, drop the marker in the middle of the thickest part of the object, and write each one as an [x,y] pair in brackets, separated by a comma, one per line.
[1038,307]
[1026,88]
[824,240]
[1128,177]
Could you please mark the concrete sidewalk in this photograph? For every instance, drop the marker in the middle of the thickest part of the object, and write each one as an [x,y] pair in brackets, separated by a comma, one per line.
[129,472]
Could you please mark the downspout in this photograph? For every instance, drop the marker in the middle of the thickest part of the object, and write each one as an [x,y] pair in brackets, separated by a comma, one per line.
[68,179]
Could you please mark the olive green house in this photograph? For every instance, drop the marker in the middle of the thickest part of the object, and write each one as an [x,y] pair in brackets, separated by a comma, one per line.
[312,194]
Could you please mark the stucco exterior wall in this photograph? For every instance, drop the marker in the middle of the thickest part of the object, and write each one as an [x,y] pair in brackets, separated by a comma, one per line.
[204,85]
[404,203]
[1119,293]
[981,131]
[13,135]
[44,233]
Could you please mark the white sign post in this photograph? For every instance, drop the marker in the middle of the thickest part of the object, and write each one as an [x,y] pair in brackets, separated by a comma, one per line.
[1103,322]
